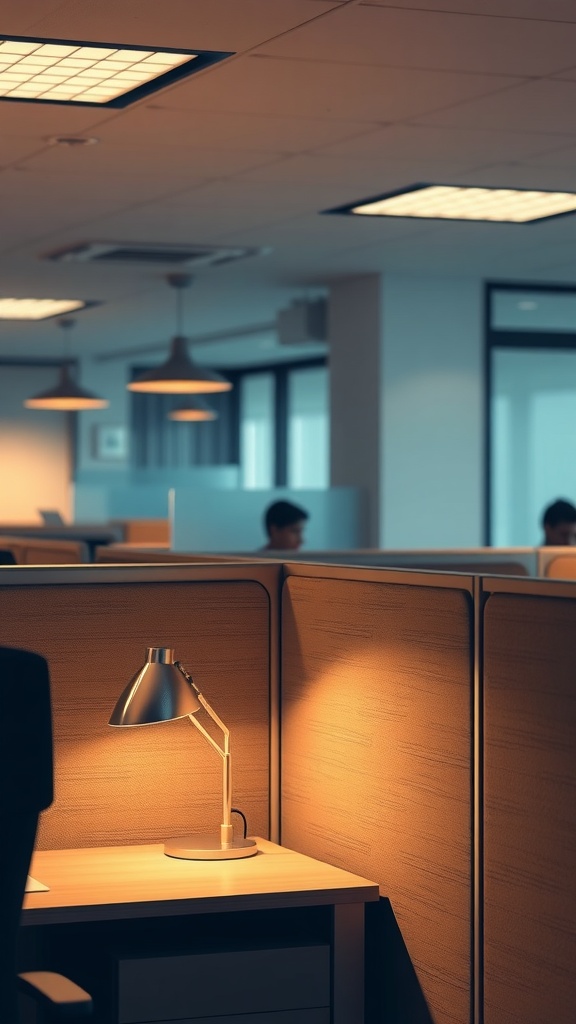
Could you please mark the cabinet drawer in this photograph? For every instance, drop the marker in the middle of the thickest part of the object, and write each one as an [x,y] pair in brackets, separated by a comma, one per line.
[192,986]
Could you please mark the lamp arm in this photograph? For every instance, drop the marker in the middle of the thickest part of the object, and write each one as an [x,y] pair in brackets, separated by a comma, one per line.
[226,828]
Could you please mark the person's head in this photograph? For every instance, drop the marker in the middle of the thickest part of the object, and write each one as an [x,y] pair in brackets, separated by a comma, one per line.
[559,523]
[284,524]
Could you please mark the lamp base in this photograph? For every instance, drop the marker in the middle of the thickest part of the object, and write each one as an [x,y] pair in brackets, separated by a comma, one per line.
[209,848]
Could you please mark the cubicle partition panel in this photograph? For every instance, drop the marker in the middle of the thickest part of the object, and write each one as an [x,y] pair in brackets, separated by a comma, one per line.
[530,802]
[377,763]
[484,561]
[557,563]
[127,786]
[37,551]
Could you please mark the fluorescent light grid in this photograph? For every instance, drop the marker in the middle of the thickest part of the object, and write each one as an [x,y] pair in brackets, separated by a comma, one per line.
[462,202]
[75,72]
[38,309]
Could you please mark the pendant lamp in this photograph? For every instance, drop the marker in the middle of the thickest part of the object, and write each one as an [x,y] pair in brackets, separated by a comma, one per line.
[179,375]
[67,395]
[195,411]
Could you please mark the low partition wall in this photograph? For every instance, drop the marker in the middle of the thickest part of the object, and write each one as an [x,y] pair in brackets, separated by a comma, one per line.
[378,766]
[487,561]
[93,624]
[529,802]
[505,561]
[35,551]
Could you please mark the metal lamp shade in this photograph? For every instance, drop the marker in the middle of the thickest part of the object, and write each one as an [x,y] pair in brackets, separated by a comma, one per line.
[159,692]
[179,375]
[67,396]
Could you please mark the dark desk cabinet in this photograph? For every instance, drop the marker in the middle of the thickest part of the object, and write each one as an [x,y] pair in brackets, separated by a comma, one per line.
[271,986]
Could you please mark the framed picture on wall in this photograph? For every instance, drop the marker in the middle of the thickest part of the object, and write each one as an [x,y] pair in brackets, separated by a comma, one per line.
[110,442]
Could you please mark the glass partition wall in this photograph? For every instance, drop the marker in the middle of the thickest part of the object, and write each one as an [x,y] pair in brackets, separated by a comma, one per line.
[531,350]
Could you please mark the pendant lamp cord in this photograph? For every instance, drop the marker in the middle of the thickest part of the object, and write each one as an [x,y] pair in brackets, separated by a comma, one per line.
[179,282]
[179,311]
[66,326]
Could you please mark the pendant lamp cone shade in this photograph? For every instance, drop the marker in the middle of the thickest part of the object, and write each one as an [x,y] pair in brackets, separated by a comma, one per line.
[179,375]
[194,411]
[67,396]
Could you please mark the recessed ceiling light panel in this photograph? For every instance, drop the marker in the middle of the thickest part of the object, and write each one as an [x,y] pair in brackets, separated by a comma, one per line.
[464,202]
[37,309]
[67,71]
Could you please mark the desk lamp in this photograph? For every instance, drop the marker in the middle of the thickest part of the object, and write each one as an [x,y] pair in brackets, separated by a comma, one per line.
[162,691]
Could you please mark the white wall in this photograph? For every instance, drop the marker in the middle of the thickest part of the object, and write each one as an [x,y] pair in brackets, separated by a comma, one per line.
[431,469]
[109,381]
[35,464]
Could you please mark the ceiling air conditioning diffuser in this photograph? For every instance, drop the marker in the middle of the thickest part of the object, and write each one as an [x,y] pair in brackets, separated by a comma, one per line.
[148,253]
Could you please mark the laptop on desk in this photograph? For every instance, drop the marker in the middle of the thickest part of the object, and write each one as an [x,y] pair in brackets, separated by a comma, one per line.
[51,517]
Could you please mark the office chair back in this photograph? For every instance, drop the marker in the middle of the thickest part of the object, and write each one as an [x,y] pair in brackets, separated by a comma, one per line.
[26,789]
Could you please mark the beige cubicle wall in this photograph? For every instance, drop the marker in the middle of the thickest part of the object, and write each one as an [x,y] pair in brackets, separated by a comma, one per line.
[128,554]
[557,563]
[508,562]
[118,786]
[144,531]
[530,802]
[36,551]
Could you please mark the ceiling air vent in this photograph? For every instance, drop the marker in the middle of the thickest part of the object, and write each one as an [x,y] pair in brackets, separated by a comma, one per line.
[144,253]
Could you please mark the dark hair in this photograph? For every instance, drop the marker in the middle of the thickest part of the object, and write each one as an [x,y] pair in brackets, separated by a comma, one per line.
[560,511]
[283,513]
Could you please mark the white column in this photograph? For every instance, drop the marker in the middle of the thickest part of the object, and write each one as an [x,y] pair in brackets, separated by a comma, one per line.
[432,456]
[407,406]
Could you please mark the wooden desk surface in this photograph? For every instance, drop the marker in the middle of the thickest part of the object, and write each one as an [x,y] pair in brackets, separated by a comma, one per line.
[122,882]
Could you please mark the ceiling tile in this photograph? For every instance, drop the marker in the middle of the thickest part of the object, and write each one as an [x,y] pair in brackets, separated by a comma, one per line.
[15,149]
[432,39]
[539,106]
[558,156]
[207,24]
[544,10]
[522,175]
[171,166]
[460,145]
[351,175]
[219,129]
[19,18]
[43,120]
[291,88]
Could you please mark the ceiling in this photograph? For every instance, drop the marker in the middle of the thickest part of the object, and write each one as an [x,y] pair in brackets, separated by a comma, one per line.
[322,103]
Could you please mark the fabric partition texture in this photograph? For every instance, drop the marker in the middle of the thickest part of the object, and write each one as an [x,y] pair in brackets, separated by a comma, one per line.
[530,807]
[127,786]
[377,766]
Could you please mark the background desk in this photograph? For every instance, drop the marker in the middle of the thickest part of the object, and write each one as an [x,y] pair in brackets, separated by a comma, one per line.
[282,935]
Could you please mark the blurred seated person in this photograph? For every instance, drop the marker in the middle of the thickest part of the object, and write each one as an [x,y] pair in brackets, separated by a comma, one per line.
[284,523]
[559,524]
